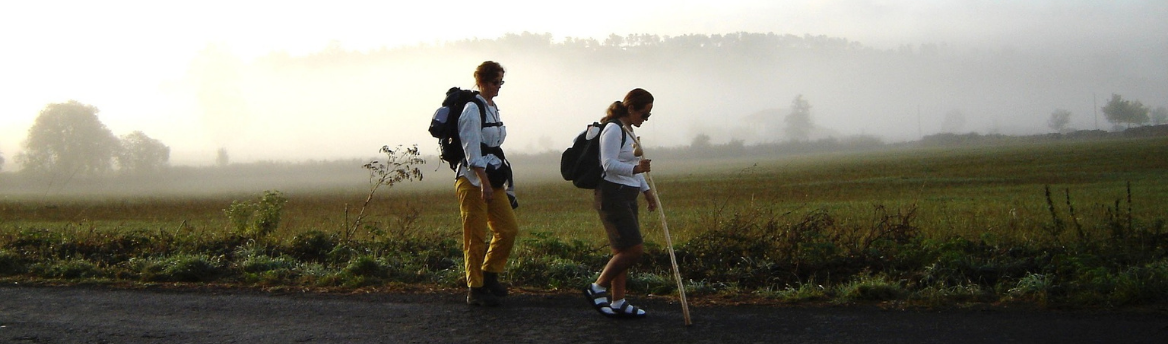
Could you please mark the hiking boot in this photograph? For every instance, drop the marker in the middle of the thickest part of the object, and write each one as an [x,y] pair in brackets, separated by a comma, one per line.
[491,283]
[481,297]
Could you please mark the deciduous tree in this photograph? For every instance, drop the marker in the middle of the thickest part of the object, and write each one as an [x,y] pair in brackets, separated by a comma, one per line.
[702,141]
[141,154]
[221,158]
[1159,116]
[1122,111]
[1059,119]
[799,120]
[68,139]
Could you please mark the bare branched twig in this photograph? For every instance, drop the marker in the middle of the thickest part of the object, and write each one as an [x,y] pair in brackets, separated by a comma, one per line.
[399,166]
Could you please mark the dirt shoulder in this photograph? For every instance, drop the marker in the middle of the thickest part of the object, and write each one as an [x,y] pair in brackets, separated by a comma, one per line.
[81,314]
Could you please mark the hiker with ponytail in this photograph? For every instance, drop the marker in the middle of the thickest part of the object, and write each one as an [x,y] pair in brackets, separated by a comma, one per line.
[615,200]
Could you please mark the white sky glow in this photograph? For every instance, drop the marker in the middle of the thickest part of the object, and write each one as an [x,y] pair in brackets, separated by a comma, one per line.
[126,57]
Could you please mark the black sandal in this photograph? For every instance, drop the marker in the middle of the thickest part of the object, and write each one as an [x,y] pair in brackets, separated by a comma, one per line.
[599,300]
[629,311]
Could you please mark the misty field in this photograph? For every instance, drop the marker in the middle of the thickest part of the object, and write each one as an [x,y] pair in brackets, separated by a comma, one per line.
[1077,223]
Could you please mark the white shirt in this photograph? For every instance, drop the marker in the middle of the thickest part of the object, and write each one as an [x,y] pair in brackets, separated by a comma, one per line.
[469,125]
[618,160]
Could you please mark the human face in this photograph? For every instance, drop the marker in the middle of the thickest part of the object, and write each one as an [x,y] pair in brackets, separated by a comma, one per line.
[490,89]
[638,117]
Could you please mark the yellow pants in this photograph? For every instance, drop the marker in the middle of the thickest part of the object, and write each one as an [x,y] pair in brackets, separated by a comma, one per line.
[477,217]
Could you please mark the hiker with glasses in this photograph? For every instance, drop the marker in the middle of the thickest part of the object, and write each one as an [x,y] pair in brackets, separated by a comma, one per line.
[615,199]
[483,202]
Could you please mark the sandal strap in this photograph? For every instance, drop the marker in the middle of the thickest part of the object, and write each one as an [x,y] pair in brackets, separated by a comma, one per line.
[599,298]
[630,309]
[607,310]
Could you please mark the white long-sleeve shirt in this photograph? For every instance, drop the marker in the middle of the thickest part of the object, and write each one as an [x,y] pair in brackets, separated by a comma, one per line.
[618,159]
[472,134]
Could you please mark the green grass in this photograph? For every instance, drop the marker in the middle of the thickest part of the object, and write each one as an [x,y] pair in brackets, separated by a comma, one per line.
[930,225]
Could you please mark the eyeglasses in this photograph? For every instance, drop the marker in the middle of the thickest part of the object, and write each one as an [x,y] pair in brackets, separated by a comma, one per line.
[498,82]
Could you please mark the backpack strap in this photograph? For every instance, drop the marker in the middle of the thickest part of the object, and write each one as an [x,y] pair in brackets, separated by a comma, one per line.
[483,113]
[622,128]
[497,151]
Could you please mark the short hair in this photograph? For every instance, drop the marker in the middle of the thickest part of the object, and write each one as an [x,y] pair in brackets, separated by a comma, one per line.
[486,72]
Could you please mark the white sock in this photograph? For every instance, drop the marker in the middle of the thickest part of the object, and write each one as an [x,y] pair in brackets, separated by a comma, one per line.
[596,288]
[617,304]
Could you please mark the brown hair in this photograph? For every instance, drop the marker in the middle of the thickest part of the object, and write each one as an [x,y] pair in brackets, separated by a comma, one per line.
[487,72]
[635,100]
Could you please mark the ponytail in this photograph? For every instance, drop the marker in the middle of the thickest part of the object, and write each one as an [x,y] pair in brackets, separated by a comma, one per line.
[636,99]
[616,110]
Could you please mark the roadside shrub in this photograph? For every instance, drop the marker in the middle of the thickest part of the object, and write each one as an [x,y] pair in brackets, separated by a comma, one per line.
[364,266]
[552,272]
[257,219]
[177,268]
[69,269]
[799,293]
[699,288]
[544,244]
[35,242]
[1032,287]
[1141,284]
[312,246]
[268,269]
[872,288]
[739,251]
[239,213]
[264,263]
[11,263]
[946,295]
[652,283]
[192,268]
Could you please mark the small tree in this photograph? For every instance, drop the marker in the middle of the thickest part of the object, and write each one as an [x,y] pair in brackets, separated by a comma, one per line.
[799,120]
[702,141]
[142,154]
[1159,116]
[221,157]
[1059,119]
[400,165]
[1121,111]
[1,161]
[257,219]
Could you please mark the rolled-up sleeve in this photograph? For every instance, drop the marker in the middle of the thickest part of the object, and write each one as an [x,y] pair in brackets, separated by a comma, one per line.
[470,132]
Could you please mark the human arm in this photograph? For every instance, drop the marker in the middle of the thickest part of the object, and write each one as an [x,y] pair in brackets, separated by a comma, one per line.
[610,148]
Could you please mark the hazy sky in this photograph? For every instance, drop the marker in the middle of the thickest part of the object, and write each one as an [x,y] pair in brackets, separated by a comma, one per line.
[124,57]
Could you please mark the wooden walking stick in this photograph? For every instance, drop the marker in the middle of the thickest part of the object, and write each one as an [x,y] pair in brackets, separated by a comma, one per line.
[665,229]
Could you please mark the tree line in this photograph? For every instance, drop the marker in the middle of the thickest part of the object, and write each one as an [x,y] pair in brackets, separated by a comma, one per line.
[69,140]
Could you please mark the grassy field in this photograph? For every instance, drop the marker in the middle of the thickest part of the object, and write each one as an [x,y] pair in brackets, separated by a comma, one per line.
[1058,223]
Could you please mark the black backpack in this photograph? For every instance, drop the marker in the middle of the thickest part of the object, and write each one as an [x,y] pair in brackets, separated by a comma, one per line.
[444,124]
[581,162]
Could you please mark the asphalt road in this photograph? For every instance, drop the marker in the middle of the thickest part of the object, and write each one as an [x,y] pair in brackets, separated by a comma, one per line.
[41,314]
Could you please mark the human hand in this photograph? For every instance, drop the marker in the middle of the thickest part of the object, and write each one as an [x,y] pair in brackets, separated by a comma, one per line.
[643,166]
[488,192]
[652,201]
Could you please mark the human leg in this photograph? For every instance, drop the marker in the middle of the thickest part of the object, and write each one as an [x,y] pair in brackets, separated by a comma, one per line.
[504,228]
[617,207]
[615,273]
[473,211]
